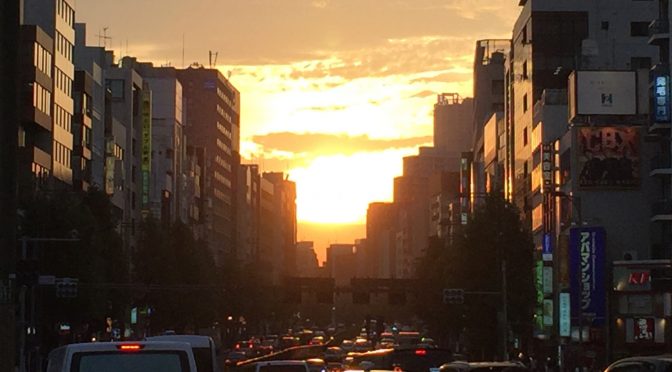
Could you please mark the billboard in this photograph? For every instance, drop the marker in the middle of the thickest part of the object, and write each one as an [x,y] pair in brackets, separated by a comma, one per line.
[146,159]
[608,157]
[603,93]
[587,273]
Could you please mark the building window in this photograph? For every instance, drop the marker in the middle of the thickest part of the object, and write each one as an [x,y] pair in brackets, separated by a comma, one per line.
[525,137]
[525,75]
[605,25]
[639,29]
[116,87]
[525,102]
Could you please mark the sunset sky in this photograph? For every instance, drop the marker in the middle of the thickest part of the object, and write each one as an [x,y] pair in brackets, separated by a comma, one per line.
[333,92]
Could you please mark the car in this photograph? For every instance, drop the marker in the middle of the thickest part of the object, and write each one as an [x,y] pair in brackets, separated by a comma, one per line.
[655,363]
[408,359]
[276,366]
[347,345]
[122,356]
[203,348]
[462,366]
[316,365]
[288,341]
[333,354]
[233,357]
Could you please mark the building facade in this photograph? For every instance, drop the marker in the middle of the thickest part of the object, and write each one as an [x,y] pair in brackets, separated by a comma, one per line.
[213,123]
[57,18]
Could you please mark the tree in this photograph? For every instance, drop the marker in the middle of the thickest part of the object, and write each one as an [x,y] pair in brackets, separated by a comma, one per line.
[473,262]
[95,258]
[179,273]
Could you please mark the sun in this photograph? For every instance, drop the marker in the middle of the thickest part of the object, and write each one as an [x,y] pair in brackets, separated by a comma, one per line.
[338,189]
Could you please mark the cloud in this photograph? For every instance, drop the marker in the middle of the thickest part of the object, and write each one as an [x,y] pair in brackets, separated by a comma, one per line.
[326,108]
[319,144]
[440,58]
[423,94]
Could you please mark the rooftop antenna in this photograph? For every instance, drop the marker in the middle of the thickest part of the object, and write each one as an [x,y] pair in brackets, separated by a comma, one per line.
[103,38]
[212,58]
[183,50]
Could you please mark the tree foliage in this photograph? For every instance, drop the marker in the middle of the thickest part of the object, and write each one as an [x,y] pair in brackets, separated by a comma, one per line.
[473,262]
[179,274]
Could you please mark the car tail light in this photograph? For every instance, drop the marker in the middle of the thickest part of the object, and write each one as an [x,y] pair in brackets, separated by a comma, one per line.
[421,352]
[130,347]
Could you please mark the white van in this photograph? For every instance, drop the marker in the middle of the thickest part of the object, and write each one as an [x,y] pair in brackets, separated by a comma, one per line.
[203,348]
[276,366]
[122,357]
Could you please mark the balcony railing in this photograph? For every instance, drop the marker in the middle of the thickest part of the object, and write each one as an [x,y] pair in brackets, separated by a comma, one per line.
[662,207]
[659,162]
[659,29]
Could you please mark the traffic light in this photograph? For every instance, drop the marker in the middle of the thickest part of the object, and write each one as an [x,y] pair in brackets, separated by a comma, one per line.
[453,296]
[66,287]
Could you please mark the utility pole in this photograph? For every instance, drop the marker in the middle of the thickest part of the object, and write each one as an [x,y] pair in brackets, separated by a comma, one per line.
[9,119]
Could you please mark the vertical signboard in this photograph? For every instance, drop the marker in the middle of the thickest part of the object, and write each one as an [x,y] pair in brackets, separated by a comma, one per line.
[587,261]
[661,99]
[146,160]
[546,168]
[564,315]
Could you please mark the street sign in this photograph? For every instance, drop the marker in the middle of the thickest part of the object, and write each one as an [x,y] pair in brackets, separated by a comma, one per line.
[66,287]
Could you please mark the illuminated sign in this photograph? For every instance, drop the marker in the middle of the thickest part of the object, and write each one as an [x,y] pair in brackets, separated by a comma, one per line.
[661,98]
[587,256]
[643,329]
[639,278]
[146,160]
[564,311]
[631,279]
[547,248]
[546,168]
[608,157]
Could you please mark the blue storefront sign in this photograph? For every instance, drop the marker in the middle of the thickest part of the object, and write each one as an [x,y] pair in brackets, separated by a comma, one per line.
[547,248]
[586,264]
[661,98]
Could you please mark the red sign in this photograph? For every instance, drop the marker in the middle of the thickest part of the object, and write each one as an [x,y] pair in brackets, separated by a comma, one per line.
[644,329]
[639,278]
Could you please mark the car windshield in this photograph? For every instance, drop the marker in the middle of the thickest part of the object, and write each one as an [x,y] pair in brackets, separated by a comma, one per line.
[164,361]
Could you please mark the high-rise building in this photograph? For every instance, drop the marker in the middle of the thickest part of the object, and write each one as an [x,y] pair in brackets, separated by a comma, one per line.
[130,103]
[82,128]
[92,60]
[248,217]
[341,263]
[489,64]
[381,238]
[306,260]
[35,129]
[57,18]
[163,195]
[213,123]
[453,116]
